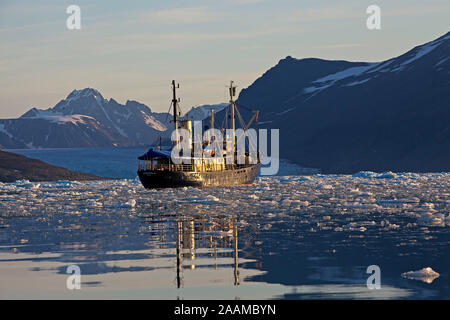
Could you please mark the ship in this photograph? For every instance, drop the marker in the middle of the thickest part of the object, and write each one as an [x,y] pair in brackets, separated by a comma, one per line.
[156,168]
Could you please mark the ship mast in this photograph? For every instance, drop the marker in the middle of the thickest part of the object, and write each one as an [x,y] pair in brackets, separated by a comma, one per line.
[232,106]
[175,108]
[179,253]
[212,136]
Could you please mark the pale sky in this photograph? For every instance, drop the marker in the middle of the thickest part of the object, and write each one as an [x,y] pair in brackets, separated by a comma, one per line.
[133,49]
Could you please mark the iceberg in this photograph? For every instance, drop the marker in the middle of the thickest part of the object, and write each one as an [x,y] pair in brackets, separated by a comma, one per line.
[426,275]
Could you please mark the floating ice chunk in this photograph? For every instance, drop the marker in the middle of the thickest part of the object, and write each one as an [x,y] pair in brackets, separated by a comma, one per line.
[426,275]
[286,180]
[26,184]
[370,174]
[392,226]
[387,175]
[252,197]
[269,203]
[325,186]
[365,174]
[21,182]
[427,205]
[398,201]
[431,219]
[267,226]
[62,184]
[365,194]
[358,205]
[129,204]
[94,203]
[208,199]
[409,175]
[213,198]
[67,182]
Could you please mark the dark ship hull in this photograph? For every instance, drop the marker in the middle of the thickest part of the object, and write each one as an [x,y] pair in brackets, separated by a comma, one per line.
[172,179]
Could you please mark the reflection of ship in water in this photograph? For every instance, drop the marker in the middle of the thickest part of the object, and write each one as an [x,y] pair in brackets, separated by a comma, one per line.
[192,235]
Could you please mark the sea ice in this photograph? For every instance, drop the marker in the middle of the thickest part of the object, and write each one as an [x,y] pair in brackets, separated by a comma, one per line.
[427,275]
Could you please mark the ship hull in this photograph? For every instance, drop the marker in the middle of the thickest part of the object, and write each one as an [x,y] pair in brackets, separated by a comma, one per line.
[174,179]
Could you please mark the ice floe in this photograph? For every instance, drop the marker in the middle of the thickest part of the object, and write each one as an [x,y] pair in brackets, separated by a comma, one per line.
[427,275]
[333,201]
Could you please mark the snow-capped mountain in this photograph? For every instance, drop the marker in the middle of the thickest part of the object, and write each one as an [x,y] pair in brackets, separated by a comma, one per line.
[204,111]
[343,116]
[84,119]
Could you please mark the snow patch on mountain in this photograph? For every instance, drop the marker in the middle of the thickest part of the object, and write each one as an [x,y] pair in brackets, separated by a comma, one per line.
[423,50]
[3,130]
[328,81]
[355,83]
[351,72]
[392,65]
[58,117]
[441,61]
[151,121]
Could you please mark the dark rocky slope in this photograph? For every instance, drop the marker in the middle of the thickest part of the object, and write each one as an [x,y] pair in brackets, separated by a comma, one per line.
[15,167]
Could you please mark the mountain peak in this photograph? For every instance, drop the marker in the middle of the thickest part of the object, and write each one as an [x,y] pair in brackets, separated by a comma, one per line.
[84,93]
[288,59]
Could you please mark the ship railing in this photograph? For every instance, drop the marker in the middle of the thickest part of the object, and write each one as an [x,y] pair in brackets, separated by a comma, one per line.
[148,166]
[200,167]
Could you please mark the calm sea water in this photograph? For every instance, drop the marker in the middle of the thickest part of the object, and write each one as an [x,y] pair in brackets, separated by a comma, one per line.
[285,237]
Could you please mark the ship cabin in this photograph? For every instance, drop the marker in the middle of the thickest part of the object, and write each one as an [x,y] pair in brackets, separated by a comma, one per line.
[160,160]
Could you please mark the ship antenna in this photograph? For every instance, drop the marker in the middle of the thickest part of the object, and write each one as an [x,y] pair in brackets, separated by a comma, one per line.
[233,128]
[212,120]
[175,108]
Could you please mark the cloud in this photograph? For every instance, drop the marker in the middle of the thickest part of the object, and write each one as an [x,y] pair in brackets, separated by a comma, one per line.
[339,46]
[183,15]
[413,11]
[242,2]
[343,12]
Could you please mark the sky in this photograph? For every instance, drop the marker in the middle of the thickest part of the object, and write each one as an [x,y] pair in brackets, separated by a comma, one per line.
[131,50]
